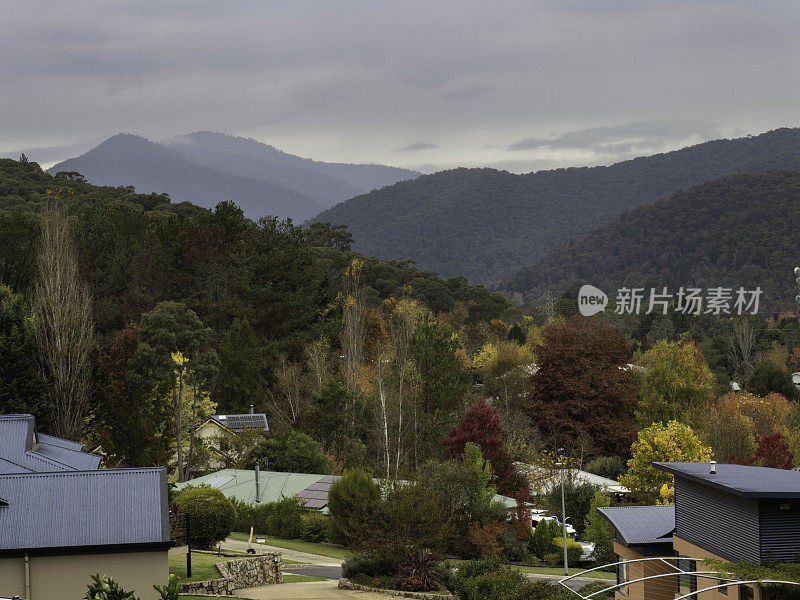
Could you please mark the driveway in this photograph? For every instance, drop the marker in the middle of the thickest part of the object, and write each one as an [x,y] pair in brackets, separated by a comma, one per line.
[295,555]
[318,590]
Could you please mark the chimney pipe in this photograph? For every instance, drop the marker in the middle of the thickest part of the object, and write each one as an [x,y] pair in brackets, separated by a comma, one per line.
[713,465]
[258,485]
[251,409]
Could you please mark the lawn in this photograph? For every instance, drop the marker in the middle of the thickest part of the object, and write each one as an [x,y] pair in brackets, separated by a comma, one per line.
[298,545]
[202,566]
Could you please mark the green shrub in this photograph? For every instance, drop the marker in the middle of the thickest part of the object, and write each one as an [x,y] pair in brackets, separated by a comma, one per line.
[386,582]
[352,504]
[172,590]
[574,550]
[513,549]
[541,542]
[211,515]
[316,527]
[491,578]
[577,501]
[245,516]
[105,588]
[283,519]
[540,590]
[374,564]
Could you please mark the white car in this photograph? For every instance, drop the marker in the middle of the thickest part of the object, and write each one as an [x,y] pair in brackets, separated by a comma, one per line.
[541,515]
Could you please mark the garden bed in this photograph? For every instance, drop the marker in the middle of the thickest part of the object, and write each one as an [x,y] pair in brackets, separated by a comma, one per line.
[346,584]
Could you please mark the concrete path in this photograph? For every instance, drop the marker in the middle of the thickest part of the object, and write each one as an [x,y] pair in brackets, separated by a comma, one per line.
[320,590]
[295,555]
[334,573]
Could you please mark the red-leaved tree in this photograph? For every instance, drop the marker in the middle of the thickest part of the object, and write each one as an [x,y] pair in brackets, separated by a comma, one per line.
[583,387]
[773,451]
[481,426]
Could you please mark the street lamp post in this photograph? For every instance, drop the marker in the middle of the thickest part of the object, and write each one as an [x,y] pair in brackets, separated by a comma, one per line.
[563,518]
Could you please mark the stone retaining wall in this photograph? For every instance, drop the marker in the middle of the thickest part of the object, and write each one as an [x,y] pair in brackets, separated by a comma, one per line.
[346,584]
[222,586]
[250,572]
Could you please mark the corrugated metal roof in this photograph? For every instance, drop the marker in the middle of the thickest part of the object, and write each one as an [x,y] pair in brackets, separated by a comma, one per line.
[60,442]
[274,485]
[740,480]
[639,525]
[241,484]
[83,508]
[29,451]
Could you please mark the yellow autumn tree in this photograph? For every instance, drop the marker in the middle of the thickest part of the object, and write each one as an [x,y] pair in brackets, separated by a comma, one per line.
[674,442]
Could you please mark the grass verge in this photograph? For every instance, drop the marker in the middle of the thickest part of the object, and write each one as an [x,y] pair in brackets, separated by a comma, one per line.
[298,545]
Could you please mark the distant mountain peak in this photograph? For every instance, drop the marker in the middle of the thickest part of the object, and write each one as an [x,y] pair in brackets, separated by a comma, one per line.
[207,167]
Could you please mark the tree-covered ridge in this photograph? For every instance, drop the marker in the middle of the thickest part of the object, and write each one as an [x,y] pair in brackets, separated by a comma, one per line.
[486,224]
[139,249]
[735,231]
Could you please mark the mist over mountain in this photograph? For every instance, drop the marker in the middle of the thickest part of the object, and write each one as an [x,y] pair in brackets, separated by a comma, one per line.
[486,224]
[206,168]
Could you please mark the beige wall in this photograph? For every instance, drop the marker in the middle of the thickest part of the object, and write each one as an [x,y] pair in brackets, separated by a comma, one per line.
[698,553]
[66,577]
[662,588]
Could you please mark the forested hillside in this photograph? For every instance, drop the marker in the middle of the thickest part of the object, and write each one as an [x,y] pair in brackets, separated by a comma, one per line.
[734,231]
[485,224]
[251,302]
[207,168]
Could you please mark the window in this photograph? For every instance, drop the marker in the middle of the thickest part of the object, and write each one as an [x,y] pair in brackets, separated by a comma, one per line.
[622,577]
[687,583]
[745,592]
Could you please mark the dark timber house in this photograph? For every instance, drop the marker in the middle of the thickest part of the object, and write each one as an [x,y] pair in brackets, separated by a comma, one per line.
[730,513]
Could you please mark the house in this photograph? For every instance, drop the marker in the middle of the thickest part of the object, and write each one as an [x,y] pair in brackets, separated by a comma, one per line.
[62,519]
[273,486]
[216,427]
[24,450]
[728,513]
[542,480]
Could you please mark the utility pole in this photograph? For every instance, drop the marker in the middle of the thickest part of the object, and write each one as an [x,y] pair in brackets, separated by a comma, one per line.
[563,519]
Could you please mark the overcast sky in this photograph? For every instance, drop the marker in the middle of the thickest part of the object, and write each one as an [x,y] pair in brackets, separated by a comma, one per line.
[428,85]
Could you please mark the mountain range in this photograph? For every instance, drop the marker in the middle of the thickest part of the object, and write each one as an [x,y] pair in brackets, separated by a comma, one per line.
[205,168]
[487,224]
[735,231]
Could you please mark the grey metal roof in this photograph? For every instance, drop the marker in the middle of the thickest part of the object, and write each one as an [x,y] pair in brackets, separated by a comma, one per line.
[60,442]
[83,508]
[640,525]
[739,480]
[241,422]
[23,450]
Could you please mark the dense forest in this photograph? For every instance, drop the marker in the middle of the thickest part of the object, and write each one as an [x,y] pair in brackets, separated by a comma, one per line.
[731,232]
[251,298]
[486,224]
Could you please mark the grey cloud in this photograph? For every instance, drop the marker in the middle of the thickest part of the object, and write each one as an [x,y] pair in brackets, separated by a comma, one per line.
[355,79]
[417,146]
[621,139]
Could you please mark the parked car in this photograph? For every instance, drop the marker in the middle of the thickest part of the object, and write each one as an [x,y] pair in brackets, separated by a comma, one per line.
[541,515]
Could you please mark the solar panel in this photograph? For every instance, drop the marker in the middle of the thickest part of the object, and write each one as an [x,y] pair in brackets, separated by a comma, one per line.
[218,481]
[246,421]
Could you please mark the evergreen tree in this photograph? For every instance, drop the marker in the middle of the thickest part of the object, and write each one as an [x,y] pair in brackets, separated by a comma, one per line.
[23,389]
[239,382]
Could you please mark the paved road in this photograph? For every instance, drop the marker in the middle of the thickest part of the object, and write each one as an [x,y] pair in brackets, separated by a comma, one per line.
[314,571]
